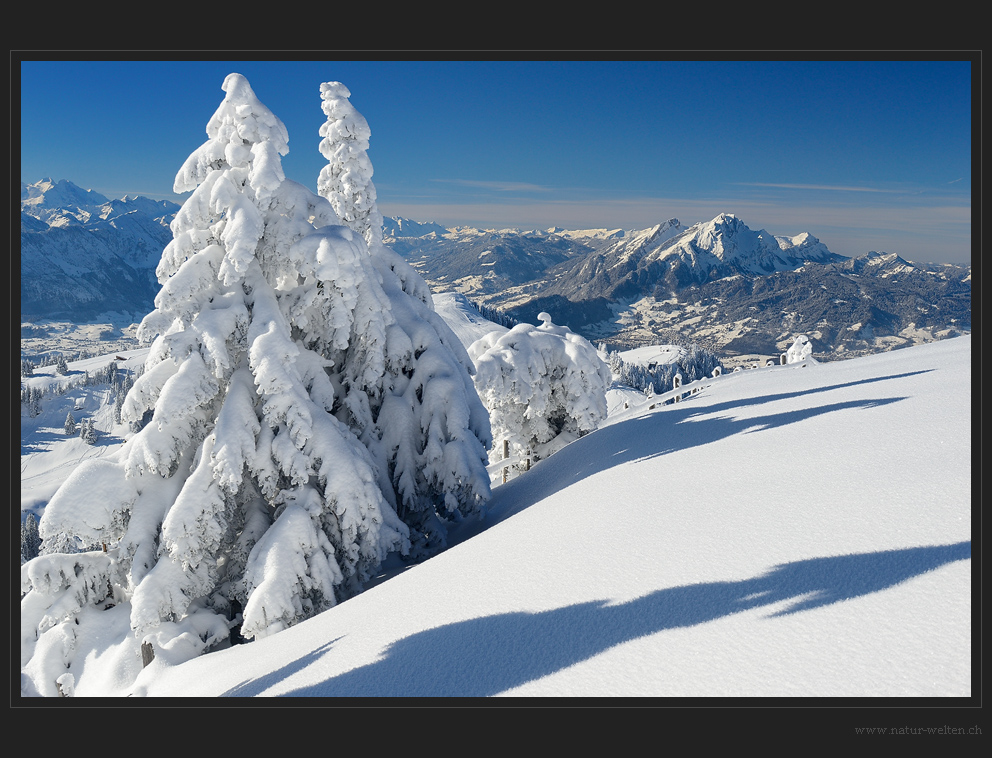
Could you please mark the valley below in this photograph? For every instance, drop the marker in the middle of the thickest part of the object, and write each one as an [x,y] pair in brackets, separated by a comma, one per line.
[743,294]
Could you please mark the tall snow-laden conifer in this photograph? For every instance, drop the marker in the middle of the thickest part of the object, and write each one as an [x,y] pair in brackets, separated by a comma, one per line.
[244,489]
[422,418]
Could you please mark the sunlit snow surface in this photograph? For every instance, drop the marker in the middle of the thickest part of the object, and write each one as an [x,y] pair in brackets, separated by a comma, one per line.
[793,531]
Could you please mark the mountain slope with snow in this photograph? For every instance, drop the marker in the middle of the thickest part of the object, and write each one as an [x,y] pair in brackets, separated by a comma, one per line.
[788,531]
[464,319]
[675,257]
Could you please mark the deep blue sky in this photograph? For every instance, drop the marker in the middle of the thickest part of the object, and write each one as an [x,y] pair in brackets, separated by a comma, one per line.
[873,155]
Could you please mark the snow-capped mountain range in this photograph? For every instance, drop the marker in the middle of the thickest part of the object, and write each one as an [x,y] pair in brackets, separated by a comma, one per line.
[83,255]
[719,283]
[677,257]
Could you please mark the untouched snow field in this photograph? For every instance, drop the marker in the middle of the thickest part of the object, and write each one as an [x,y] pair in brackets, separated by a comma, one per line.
[787,531]
[465,321]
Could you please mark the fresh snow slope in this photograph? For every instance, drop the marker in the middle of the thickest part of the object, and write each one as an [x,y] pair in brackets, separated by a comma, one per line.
[464,319]
[787,531]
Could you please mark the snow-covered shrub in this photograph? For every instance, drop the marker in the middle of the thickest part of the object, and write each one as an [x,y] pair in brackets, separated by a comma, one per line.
[801,350]
[544,386]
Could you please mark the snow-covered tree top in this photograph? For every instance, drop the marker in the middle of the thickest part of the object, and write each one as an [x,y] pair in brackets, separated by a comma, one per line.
[243,133]
[544,386]
[346,180]
[801,350]
[344,121]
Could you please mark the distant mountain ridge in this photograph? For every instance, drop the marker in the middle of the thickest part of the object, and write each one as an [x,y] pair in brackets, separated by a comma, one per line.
[719,283]
[83,254]
[730,288]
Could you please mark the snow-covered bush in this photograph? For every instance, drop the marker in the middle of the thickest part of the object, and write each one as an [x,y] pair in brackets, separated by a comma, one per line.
[298,392]
[544,386]
[801,350]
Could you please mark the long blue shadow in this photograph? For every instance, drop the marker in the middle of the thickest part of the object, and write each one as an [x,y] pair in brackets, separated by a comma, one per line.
[252,687]
[489,655]
[760,399]
[641,438]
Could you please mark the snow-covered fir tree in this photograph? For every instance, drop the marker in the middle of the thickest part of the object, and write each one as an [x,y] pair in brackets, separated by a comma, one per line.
[495,315]
[419,413]
[87,432]
[31,399]
[544,386]
[346,180]
[30,539]
[296,389]
[70,425]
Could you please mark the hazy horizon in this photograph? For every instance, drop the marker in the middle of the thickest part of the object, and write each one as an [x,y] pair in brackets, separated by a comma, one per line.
[864,155]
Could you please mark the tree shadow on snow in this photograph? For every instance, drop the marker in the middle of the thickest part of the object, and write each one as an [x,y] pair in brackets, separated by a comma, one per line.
[486,656]
[761,399]
[667,430]
[253,687]
[42,440]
